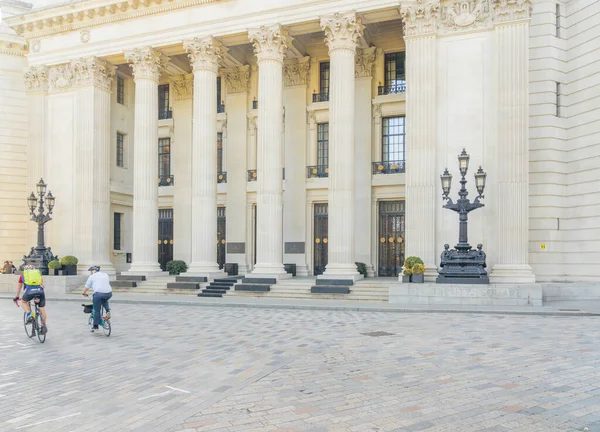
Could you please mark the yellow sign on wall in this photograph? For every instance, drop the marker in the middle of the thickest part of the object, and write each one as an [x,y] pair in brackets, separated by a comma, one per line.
[543,246]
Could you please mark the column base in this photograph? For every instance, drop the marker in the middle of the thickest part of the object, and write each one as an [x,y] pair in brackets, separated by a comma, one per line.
[106,267]
[203,268]
[341,271]
[512,273]
[302,270]
[269,271]
[431,273]
[145,269]
[208,275]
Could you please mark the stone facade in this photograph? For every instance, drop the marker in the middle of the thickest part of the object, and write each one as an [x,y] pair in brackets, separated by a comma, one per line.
[480,74]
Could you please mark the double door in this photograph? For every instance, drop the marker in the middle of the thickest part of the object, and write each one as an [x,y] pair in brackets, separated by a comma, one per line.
[320,240]
[391,238]
[165,237]
[221,236]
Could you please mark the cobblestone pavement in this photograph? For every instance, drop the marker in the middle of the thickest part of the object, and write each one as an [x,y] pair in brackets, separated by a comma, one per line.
[178,368]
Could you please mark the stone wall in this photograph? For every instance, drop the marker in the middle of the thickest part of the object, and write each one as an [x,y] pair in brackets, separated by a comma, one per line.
[52,284]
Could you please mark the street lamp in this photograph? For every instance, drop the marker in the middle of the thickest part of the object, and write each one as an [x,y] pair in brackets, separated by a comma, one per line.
[463,264]
[40,255]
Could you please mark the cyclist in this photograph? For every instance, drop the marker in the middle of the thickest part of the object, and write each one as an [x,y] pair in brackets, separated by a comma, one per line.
[100,283]
[34,289]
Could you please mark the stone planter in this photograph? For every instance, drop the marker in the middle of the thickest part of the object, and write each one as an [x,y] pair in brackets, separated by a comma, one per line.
[55,271]
[69,270]
[405,279]
[417,278]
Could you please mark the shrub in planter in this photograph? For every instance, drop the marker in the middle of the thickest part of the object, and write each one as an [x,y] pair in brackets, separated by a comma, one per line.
[69,265]
[409,263]
[362,268]
[176,267]
[418,271]
[55,265]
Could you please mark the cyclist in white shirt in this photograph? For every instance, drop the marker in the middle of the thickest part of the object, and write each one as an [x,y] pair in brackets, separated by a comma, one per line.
[100,284]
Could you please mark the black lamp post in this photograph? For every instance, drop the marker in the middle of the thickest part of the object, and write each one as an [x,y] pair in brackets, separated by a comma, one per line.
[463,265]
[40,255]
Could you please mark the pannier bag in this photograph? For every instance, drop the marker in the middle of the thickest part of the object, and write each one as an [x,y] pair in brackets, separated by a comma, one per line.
[87,308]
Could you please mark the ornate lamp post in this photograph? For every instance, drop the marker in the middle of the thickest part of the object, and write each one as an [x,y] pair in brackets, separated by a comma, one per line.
[40,255]
[463,265]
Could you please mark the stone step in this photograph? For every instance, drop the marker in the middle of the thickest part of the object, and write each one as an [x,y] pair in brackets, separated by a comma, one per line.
[208,294]
[229,284]
[252,287]
[131,278]
[214,291]
[229,279]
[223,288]
[331,282]
[330,289]
[123,284]
[198,279]
[259,281]
[183,285]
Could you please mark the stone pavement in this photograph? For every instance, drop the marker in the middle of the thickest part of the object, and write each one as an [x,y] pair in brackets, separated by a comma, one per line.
[178,368]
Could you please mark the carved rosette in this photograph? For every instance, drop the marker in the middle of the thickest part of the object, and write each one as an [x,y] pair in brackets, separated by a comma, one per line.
[60,77]
[270,43]
[183,86]
[365,58]
[92,71]
[342,30]
[466,14]
[146,63]
[511,10]
[420,18]
[237,79]
[205,53]
[295,71]
[36,78]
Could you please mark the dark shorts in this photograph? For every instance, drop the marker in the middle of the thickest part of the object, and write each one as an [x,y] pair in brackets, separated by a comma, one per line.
[29,295]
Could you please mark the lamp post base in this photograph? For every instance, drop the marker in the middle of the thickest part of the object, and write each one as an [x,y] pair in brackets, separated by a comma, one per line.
[39,257]
[463,267]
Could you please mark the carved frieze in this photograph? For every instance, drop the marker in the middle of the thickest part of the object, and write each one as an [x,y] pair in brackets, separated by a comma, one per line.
[420,17]
[183,86]
[60,77]
[35,46]
[237,79]
[270,43]
[460,15]
[204,53]
[84,35]
[511,10]
[342,30]
[36,78]
[146,63]
[295,71]
[364,59]
[92,71]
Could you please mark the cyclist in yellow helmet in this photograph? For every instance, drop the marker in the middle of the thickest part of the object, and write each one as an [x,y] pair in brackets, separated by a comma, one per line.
[34,288]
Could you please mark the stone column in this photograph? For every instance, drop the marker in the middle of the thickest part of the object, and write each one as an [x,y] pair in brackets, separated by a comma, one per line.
[512,62]
[312,138]
[92,80]
[252,126]
[205,54]
[422,181]
[270,44]
[147,65]
[342,32]
[36,81]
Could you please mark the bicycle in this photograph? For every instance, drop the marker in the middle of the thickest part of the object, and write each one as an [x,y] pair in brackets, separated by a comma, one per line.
[34,326]
[104,319]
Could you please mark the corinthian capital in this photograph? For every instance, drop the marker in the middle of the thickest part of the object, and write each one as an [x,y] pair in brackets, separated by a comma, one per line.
[364,62]
[36,78]
[511,10]
[205,53]
[92,71]
[270,43]
[295,71]
[420,17]
[237,79]
[147,63]
[342,30]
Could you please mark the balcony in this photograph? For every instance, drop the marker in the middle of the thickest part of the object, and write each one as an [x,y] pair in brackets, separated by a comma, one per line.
[396,88]
[251,175]
[222,177]
[254,104]
[317,171]
[165,114]
[166,180]
[220,108]
[320,97]
[388,167]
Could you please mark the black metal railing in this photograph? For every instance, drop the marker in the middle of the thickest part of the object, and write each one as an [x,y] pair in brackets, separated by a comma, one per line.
[251,175]
[220,108]
[254,104]
[388,167]
[165,114]
[387,89]
[166,180]
[317,171]
[222,177]
[320,97]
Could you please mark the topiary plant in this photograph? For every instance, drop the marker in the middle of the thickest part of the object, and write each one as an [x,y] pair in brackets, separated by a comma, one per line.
[418,269]
[409,263]
[362,268]
[69,260]
[176,267]
[54,265]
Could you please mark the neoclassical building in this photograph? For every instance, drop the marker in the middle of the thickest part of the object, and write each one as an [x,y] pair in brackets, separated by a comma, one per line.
[264,133]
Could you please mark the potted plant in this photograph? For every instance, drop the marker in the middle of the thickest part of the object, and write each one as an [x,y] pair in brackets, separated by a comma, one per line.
[55,265]
[176,267]
[406,274]
[69,265]
[418,273]
[409,263]
[362,268]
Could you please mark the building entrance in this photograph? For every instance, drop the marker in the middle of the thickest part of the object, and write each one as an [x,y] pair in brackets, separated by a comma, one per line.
[320,238]
[391,238]
[165,237]
[221,236]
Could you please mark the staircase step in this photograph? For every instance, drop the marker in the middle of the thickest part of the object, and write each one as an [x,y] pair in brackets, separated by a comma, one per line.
[198,279]
[183,285]
[131,278]
[263,281]
[219,287]
[252,287]
[206,294]
[229,283]
[330,289]
[330,282]
[214,291]
[233,279]
[123,284]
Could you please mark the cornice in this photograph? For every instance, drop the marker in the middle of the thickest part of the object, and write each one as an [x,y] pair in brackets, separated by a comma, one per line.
[70,17]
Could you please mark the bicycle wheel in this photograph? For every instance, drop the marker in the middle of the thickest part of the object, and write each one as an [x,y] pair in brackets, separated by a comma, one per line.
[38,324]
[91,322]
[28,326]
[105,324]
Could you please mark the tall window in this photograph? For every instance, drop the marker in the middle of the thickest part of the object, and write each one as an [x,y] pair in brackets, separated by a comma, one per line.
[120,90]
[395,78]
[558,102]
[558,23]
[324,78]
[322,147]
[219,152]
[164,157]
[219,91]
[120,150]
[117,231]
[164,112]
[394,139]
